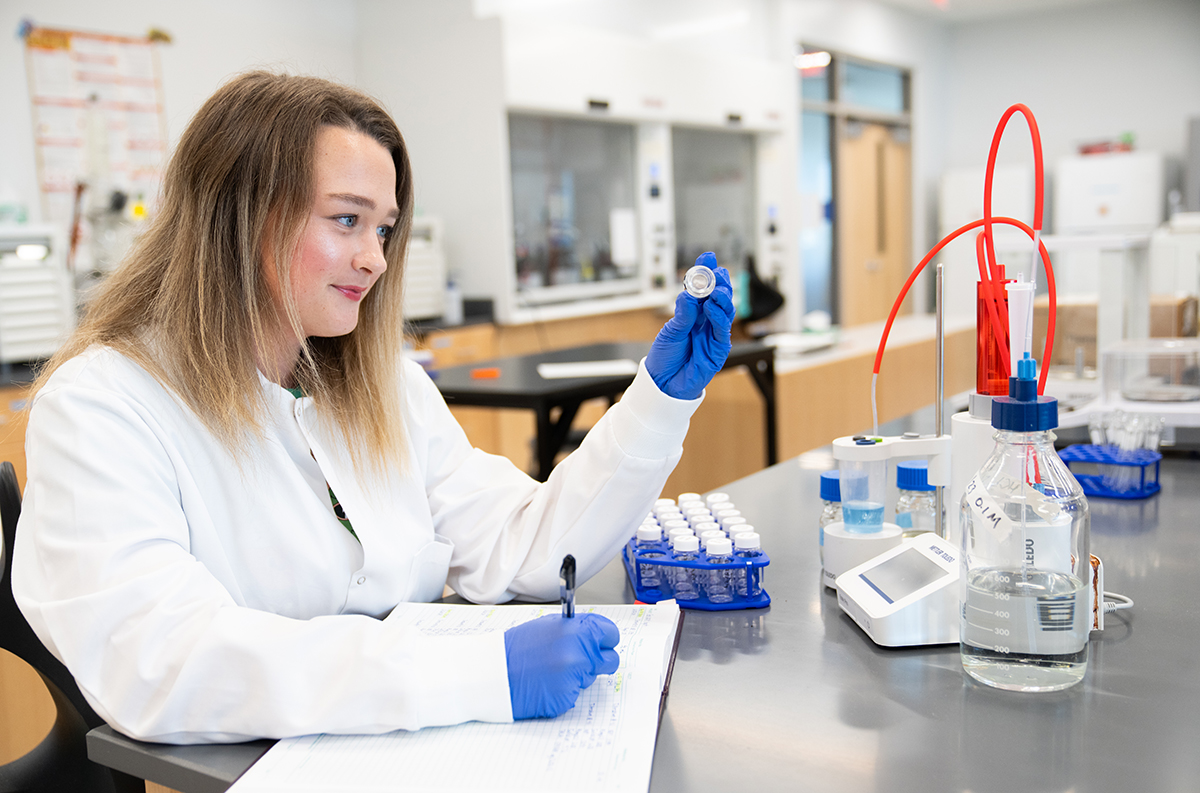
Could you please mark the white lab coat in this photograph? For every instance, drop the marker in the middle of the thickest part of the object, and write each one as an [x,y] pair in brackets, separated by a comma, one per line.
[199,597]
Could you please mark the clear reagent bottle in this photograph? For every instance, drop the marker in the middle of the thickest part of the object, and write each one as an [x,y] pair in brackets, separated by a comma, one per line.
[831,507]
[1027,566]
[916,508]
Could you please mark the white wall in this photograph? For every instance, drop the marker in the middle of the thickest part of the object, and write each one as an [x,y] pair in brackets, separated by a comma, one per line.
[212,41]
[1087,74]
[439,71]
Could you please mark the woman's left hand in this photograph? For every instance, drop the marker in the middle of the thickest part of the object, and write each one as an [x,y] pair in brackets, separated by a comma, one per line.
[693,345]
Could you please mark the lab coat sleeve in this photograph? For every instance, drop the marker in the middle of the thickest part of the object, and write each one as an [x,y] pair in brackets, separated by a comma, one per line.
[510,533]
[160,648]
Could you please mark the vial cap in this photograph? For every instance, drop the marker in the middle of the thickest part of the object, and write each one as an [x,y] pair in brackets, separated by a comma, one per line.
[677,530]
[711,525]
[664,502]
[697,511]
[689,497]
[732,521]
[747,541]
[913,475]
[712,533]
[699,281]
[741,528]
[686,543]
[713,498]
[720,546]
[1023,410]
[831,489]
[676,524]
[648,534]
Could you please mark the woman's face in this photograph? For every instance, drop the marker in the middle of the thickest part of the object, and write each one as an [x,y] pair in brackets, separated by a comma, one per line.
[341,249]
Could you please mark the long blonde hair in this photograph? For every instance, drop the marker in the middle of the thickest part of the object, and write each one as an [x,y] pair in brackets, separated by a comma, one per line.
[190,303]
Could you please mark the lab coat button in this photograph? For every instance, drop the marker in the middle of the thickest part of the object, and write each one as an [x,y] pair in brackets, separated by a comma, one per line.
[362,579]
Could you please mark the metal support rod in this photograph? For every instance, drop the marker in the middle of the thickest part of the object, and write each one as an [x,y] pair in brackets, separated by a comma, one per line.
[939,429]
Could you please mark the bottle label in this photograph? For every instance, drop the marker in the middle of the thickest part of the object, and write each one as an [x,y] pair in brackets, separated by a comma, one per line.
[1042,540]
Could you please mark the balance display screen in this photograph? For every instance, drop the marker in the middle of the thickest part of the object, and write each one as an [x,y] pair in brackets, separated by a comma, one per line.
[903,574]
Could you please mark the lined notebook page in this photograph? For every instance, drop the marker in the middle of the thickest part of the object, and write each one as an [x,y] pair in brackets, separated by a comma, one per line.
[605,743]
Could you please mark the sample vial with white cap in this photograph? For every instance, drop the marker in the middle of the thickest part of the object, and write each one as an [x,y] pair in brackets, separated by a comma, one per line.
[738,529]
[717,498]
[685,497]
[647,541]
[718,583]
[699,281]
[711,534]
[749,581]
[684,583]
[710,525]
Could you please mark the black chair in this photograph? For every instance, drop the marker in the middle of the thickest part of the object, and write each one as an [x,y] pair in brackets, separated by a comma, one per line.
[59,764]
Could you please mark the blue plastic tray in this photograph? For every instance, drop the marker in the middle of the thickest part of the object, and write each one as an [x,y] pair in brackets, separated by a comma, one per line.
[752,565]
[1094,484]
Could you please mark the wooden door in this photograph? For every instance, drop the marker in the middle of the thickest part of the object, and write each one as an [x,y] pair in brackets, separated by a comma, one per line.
[873,217]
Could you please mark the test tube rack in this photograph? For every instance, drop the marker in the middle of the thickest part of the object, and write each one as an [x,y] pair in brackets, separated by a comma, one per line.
[656,559]
[1119,473]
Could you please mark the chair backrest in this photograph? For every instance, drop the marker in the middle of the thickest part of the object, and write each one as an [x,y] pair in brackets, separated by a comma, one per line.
[59,762]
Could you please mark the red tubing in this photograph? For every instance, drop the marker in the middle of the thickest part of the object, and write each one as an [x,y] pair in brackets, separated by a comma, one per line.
[994,303]
[986,268]
[974,224]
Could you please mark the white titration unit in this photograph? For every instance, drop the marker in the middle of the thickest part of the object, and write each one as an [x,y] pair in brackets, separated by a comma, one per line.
[906,596]
[862,533]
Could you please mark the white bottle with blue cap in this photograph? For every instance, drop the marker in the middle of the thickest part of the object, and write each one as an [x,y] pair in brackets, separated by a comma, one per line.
[1026,590]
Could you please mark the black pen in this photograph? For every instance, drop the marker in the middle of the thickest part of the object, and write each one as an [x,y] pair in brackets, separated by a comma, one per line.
[566,585]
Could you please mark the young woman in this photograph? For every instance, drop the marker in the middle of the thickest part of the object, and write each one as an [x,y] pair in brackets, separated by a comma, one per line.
[233,476]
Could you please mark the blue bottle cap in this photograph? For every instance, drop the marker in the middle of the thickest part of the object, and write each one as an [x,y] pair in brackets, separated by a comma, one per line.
[831,487]
[1023,410]
[913,475]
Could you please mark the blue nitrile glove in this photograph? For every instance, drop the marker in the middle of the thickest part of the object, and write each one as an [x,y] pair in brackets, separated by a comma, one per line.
[693,345]
[553,658]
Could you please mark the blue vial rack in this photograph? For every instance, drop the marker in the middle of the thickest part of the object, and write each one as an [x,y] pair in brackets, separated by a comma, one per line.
[634,557]
[1142,484]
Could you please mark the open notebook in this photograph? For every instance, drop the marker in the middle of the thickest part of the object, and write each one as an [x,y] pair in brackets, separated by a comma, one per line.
[605,743]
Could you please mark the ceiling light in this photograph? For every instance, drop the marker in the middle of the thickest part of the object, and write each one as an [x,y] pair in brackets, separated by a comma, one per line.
[813,60]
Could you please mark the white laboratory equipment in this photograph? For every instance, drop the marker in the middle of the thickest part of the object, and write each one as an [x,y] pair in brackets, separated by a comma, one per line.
[37,293]
[425,270]
[1115,193]
[862,461]
[907,595]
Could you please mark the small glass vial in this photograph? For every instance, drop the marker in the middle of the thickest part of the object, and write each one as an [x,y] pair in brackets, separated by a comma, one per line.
[916,509]
[678,531]
[699,281]
[749,581]
[831,506]
[712,499]
[730,525]
[719,582]
[738,529]
[648,543]
[686,549]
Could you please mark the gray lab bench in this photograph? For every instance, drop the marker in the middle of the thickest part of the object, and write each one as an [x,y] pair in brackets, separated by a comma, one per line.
[796,698]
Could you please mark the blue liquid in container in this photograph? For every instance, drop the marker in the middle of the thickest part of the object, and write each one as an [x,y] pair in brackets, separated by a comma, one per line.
[862,517]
